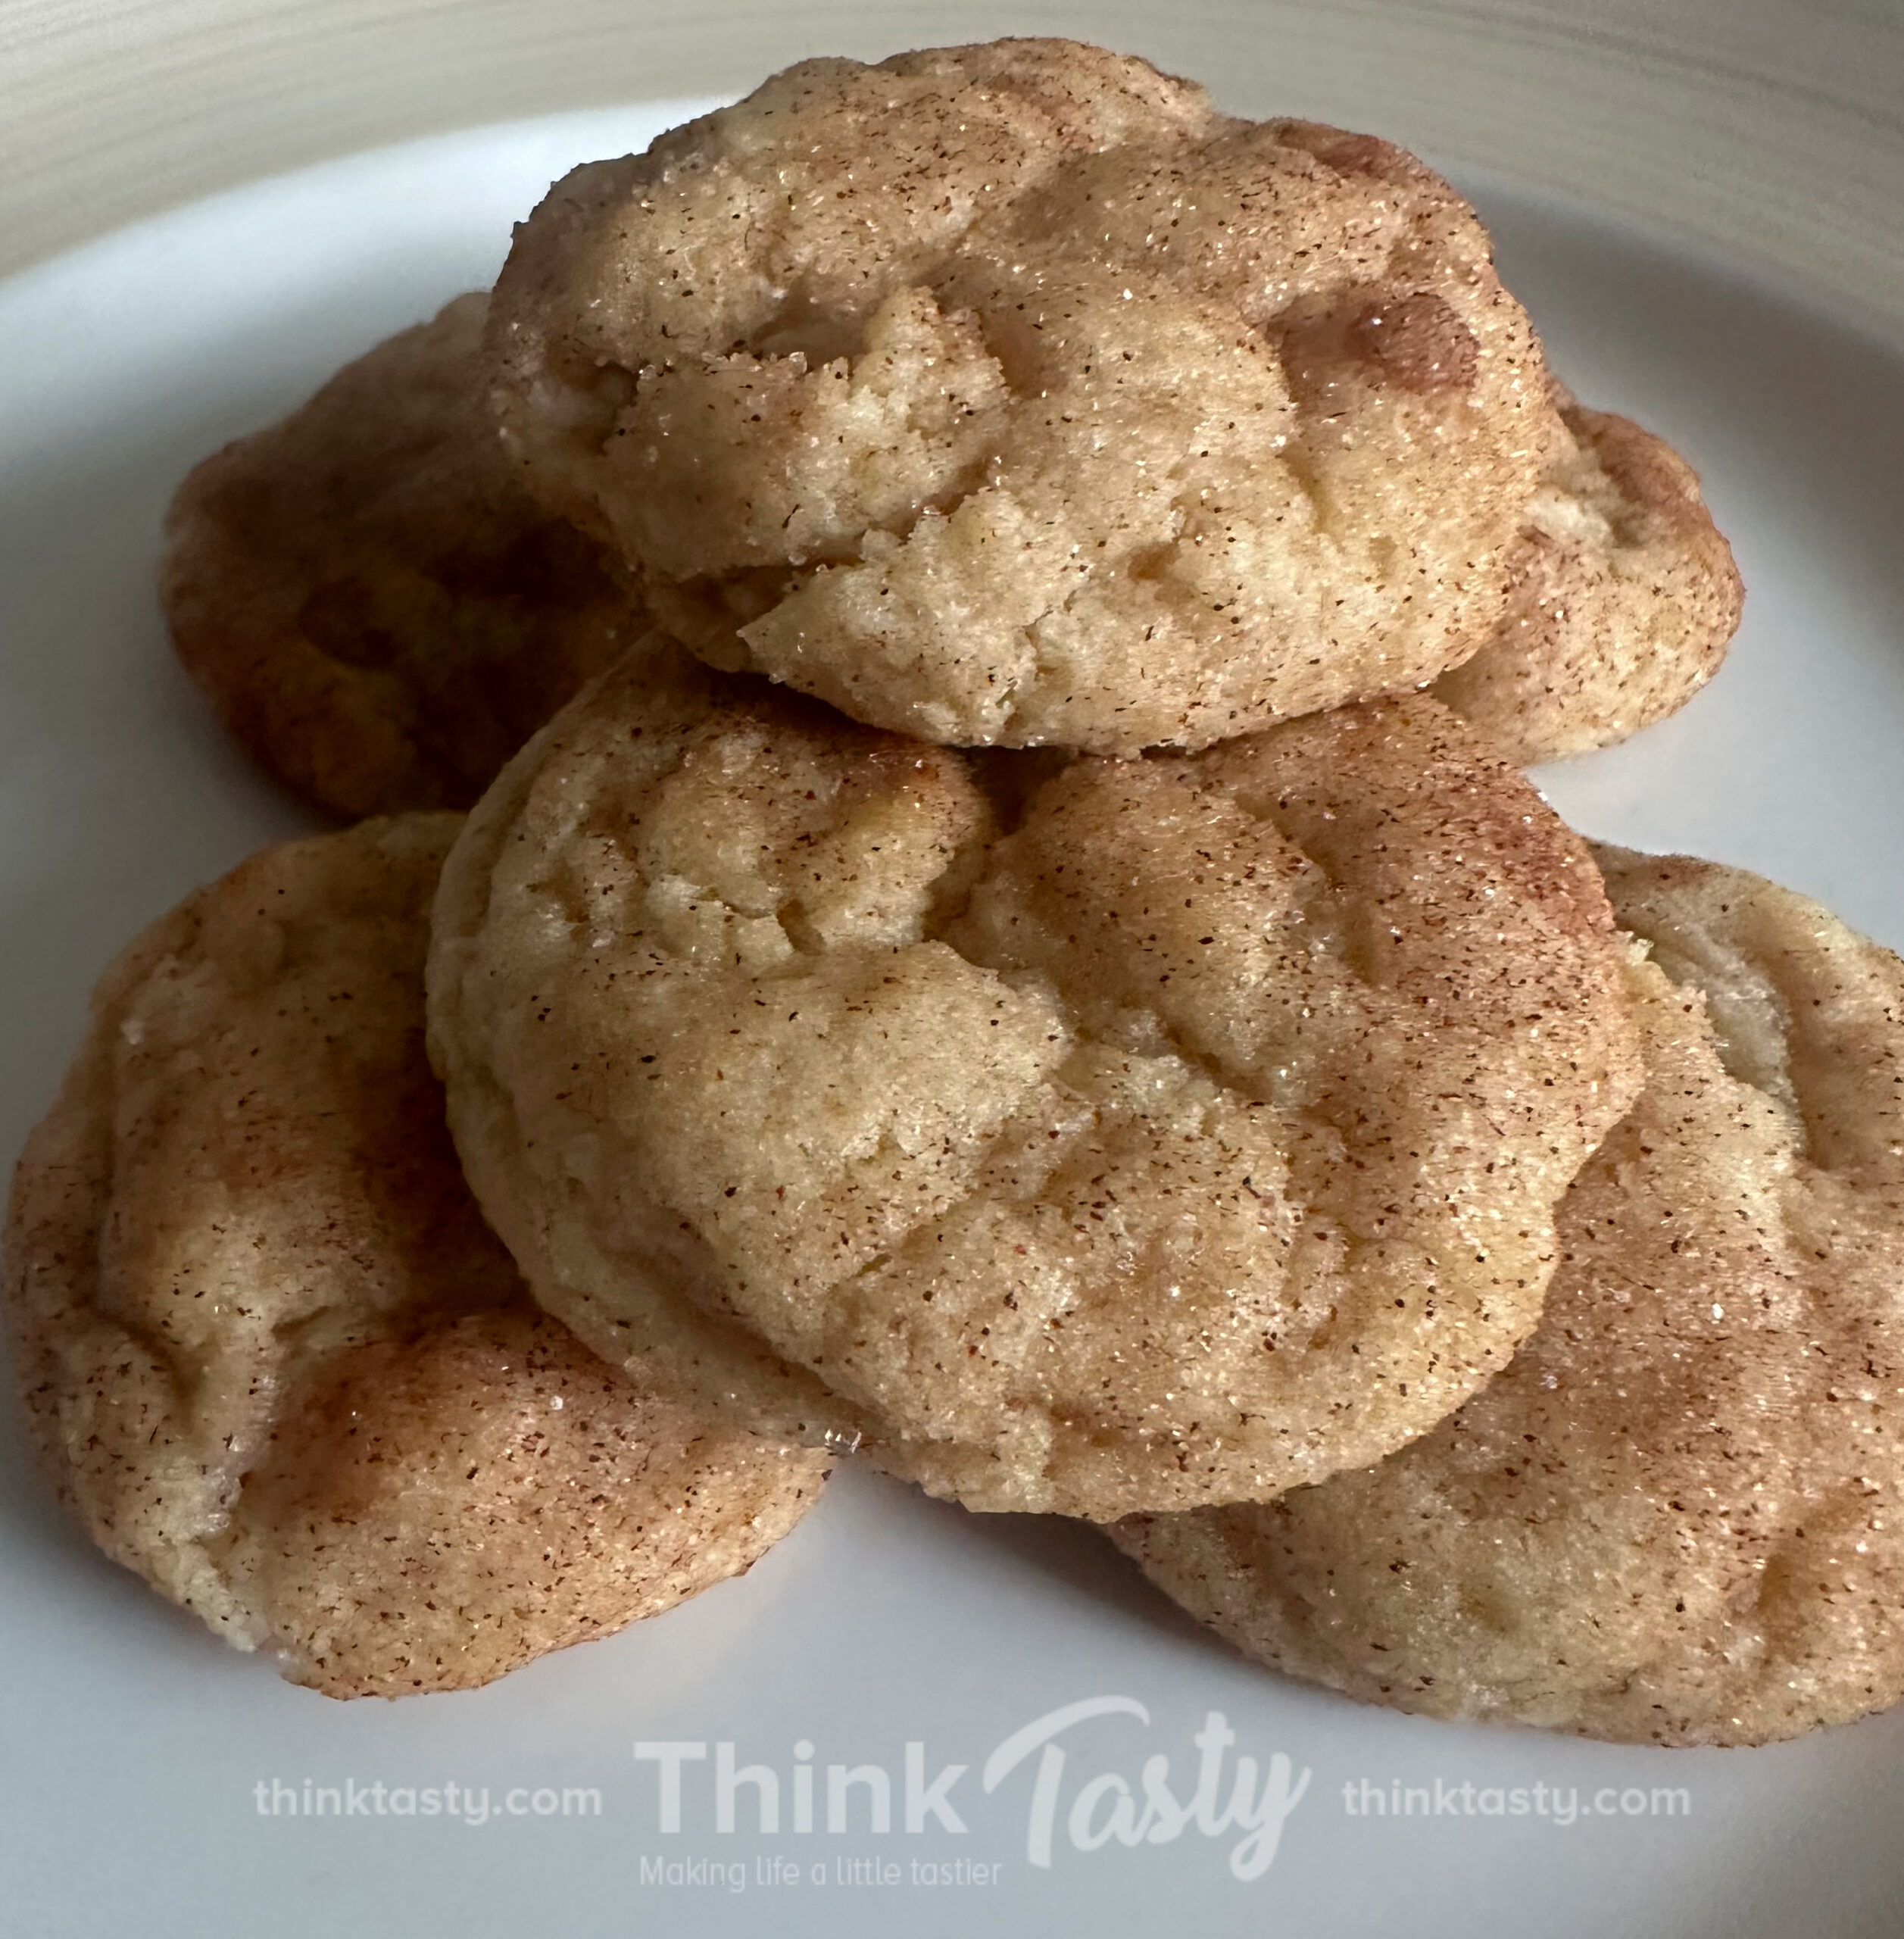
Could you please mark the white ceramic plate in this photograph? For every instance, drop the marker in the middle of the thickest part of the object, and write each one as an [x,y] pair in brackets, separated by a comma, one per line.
[136,1745]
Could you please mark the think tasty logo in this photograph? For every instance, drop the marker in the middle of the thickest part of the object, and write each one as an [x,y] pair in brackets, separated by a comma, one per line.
[1089,1807]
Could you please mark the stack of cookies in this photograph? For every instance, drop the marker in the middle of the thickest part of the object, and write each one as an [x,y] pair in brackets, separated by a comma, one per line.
[988,617]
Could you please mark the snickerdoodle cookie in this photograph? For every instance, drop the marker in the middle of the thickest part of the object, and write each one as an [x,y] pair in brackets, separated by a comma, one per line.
[1622,601]
[1011,394]
[274,1360]
[1086,1135]
[367,597]
[1679,1515]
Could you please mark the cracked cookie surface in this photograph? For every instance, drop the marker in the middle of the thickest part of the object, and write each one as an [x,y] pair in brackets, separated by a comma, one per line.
[1011,394]
[1083,1134]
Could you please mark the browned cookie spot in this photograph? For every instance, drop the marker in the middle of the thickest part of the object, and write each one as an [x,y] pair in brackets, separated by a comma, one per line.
[1417,340]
